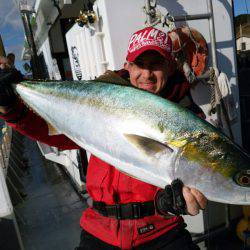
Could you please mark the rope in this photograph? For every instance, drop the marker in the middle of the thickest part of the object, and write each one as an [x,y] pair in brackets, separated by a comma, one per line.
[197,45]
[182,57]
[150,11]
[154,16]
[217,99]
[210,82]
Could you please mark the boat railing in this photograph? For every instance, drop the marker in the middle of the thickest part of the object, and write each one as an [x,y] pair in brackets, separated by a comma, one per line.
[5,148]
[10,182]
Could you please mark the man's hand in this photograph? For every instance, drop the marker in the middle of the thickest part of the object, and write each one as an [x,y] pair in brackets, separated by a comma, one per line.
[178,199]
[195,200]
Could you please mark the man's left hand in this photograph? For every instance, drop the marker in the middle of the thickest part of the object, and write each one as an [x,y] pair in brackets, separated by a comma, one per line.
[178,199]
[195,200]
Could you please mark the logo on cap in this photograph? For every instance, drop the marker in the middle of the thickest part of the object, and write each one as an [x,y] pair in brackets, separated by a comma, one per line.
[149,39]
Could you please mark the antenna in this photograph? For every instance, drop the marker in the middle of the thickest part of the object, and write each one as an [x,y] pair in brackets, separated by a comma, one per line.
[246,6]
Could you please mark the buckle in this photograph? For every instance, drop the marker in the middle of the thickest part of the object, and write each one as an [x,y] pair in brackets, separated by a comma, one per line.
[133,210]
[136,208]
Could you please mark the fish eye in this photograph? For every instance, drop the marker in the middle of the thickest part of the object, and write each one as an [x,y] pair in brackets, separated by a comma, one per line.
[243,178]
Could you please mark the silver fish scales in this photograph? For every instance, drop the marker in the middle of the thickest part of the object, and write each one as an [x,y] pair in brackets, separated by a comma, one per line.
[143,135]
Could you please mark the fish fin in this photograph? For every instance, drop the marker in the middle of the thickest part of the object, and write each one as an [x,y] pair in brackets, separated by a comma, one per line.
[52,130]
[147,145]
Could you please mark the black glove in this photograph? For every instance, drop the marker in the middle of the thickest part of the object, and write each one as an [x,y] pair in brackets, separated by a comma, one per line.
[171,200]
[7,94]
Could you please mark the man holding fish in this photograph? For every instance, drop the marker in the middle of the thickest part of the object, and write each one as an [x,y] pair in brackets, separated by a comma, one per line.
[127,213]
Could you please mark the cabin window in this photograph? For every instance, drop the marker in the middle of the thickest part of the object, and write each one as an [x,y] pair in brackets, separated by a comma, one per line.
[243,46]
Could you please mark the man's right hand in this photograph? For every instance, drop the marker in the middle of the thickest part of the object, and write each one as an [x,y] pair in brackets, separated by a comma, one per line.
[8,76]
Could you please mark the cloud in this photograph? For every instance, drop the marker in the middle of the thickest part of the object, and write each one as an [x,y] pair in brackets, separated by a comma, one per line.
[10,15]
[16,49]
[11,28]
[13,17]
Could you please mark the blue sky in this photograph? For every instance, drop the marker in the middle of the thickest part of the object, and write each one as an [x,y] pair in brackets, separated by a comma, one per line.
[11,28]
[241,7]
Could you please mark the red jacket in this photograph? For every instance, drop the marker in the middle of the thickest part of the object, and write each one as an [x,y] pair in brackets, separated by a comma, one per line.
[105,183]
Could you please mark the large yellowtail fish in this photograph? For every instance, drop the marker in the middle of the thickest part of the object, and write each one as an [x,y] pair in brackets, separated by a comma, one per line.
[143,135]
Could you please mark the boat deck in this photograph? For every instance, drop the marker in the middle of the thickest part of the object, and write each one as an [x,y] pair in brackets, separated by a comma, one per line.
[49,216]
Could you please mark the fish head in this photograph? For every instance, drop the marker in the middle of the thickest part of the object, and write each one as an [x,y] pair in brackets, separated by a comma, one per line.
[216,166]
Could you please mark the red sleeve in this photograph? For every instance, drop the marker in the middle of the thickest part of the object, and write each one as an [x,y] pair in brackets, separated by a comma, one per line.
[30,124]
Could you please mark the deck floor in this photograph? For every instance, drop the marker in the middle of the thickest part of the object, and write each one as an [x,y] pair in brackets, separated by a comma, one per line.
[49,216]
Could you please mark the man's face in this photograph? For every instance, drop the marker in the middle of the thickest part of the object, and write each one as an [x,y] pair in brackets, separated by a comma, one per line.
[4,63]
[148,71]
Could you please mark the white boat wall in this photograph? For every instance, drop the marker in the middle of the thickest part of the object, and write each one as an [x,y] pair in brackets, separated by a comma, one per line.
[94,48]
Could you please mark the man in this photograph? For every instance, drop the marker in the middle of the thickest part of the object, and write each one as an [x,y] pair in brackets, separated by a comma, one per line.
[8,62]
[4,63]
[11,58]
[127,213]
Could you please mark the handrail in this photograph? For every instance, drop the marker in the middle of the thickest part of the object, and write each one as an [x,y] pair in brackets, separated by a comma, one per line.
[5,143]
[8,210]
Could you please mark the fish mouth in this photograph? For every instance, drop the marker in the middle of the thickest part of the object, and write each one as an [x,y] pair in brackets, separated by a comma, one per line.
[234,195]
[245,198]
[243,201]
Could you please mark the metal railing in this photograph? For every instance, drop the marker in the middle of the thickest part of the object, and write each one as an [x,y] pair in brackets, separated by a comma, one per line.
[11,171]
[5,148]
